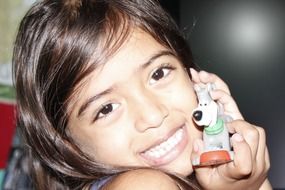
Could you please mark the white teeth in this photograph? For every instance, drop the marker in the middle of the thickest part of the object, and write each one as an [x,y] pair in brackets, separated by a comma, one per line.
[164,147]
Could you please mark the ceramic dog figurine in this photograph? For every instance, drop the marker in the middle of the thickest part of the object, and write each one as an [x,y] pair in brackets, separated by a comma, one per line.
[217,149]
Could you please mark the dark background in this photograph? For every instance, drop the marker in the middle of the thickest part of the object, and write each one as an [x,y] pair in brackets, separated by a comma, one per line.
[243,42]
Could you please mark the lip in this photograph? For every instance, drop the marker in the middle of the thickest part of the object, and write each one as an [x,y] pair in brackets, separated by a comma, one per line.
[172,154]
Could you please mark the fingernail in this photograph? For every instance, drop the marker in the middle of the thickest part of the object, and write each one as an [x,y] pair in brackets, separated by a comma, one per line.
[192,70]
[237,137]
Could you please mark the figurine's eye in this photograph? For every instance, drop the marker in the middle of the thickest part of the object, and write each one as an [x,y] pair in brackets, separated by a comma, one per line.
[201,104]
[205,104]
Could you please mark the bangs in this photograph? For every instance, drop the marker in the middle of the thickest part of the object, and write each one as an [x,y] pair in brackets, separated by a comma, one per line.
[114,31]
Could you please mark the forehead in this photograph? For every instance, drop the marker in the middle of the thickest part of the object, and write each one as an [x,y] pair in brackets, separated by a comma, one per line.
[137,49]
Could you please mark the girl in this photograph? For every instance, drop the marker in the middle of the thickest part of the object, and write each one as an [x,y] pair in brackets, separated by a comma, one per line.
[103,89]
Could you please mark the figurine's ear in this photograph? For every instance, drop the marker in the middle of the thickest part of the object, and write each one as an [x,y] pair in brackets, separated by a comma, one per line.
[210,86]
[197,88]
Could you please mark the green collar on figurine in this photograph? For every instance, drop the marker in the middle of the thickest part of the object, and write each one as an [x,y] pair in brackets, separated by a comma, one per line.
[216,129]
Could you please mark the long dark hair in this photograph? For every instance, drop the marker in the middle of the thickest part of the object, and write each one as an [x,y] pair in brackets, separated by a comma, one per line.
[58,44]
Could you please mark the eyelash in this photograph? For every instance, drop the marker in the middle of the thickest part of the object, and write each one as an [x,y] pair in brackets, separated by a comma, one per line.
[167,66]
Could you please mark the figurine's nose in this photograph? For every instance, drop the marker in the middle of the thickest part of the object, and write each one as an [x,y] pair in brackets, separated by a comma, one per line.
[197,115]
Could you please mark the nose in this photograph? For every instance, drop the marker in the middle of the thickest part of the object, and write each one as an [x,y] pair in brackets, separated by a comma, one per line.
[197,115]
[150,112]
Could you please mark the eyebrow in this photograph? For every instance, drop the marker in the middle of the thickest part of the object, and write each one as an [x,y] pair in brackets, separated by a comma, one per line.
[90,100]
[155,56]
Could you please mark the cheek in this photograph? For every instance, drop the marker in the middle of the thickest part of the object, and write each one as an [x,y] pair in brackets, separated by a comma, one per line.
[184,97]
[102,144]
[113,146]
[184,100]
[110,144]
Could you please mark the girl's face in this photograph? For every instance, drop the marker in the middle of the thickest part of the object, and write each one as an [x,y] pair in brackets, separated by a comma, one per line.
[135,110]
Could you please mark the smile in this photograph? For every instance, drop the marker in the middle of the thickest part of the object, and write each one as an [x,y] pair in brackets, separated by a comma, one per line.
[168,150]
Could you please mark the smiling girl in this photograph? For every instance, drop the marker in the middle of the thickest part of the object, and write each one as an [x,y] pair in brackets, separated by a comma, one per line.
[105,96]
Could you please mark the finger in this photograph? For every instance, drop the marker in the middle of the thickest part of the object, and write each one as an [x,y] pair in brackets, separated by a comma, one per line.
[206,77]
[262,145]
[194,75]
[242,163]
[198,148]
[267,160]
[229,105]
[262,157]
[248,132]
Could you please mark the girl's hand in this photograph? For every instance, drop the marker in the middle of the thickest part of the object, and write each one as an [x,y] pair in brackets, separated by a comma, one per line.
[251,162]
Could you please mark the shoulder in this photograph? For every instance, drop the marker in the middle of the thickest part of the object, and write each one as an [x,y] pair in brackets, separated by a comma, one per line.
[142,179]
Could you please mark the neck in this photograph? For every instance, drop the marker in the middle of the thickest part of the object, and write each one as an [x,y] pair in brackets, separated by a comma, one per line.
[217,128]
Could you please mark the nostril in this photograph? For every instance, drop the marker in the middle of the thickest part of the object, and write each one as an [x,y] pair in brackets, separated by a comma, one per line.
[197,115]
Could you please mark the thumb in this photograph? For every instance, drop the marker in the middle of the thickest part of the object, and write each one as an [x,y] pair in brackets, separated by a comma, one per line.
[202,173]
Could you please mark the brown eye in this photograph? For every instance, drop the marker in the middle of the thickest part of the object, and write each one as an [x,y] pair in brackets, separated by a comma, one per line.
[160,73]
[106,110]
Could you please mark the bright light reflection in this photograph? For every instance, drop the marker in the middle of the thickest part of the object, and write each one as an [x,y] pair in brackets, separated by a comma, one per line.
[250,32]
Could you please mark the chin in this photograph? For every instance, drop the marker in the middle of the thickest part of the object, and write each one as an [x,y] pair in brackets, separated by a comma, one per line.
[181,168]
